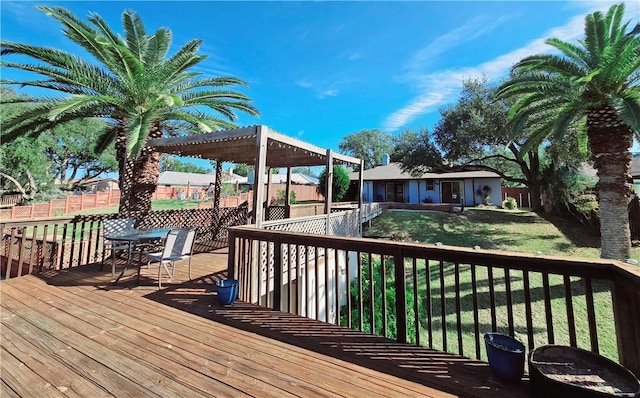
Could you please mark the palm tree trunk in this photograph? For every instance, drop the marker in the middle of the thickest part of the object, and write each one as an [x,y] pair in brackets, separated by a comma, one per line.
[145,177]
[610,140]
[125,172]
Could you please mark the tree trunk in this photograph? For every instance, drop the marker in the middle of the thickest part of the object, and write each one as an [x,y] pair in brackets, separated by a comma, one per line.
[125,172]
[610,139]
[146,171]
[535,182]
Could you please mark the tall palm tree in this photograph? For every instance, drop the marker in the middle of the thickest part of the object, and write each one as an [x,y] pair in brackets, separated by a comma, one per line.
[141,91]
[595,81]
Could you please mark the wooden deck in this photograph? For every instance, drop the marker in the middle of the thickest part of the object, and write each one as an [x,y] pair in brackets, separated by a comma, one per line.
[74,334]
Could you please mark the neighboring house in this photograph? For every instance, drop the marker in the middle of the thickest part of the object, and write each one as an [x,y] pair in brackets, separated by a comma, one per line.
[388,183]
[635,172]
[178,179]
[296,178]
[99,185]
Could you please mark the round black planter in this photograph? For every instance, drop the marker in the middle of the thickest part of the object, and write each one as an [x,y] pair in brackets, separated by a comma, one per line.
[560,371]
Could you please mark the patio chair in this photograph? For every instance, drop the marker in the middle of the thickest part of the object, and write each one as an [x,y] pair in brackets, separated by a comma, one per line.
[178,246]
[110,227]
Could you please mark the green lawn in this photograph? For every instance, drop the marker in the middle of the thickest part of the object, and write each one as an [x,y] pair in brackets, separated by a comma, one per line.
[495,229]
[161,204]
[519,231]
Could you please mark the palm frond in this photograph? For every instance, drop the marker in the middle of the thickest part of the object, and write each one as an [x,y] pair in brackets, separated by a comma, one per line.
[98,22]
[629,107]
[158,47]
[78,32]
[136,35]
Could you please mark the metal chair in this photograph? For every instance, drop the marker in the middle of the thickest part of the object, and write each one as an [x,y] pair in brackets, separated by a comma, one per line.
[110,227]
[177,246]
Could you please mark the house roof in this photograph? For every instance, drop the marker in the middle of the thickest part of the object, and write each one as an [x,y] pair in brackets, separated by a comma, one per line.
[179,178]
[296,178]
[196,179]
[393,171]
[240,145]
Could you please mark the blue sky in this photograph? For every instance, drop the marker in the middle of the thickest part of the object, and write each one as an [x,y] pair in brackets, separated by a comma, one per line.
[321,70]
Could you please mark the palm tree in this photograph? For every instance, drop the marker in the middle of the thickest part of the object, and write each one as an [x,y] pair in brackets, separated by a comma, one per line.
[595,80]
[135,86]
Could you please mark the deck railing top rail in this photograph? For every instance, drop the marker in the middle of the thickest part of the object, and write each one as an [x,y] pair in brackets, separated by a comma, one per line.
[594,268]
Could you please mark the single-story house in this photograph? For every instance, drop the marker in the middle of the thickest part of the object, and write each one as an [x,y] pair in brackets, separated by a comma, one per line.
[179,179]
[388,183]
[296,178]
[99,185]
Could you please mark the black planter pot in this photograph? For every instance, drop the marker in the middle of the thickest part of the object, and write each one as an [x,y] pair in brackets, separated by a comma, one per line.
[560,371]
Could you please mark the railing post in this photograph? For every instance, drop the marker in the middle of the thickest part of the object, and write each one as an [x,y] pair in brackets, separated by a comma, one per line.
[401,296]
[231,263]
[626,309]
[277,274]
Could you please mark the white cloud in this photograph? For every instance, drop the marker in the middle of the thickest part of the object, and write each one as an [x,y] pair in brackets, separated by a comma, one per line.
[304,83]
[473,29]
[328,93]
[440,88]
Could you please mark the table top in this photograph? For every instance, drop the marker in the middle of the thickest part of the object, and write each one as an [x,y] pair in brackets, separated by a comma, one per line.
[138,234]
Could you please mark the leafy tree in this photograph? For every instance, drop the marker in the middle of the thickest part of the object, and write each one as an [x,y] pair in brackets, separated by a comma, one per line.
[242,169]
[142,92]
[23,163]
[417,152]
[475,134]
[70,149]
[595,81]
[340,184]
[172,163]
[368,145]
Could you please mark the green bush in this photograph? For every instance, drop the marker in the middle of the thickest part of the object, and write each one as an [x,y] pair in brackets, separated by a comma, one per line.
[279,200]
[340,183]
[510,203]
[373,323]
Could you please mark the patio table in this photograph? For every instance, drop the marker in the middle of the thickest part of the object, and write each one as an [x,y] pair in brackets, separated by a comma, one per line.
[135,237]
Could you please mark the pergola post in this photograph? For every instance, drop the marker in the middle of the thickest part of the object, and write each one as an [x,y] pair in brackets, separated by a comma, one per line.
[287,194]
[258,181]
[216,189]
[360,194]
[329,193]
[267,195]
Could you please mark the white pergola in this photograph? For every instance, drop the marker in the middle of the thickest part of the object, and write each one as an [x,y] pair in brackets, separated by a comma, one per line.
[265,149]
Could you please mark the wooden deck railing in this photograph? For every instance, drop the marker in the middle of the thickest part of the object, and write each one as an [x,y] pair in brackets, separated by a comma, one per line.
[29,246]
[442,297]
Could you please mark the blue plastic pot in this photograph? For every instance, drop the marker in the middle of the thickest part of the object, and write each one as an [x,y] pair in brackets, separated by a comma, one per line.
[506,356]
[227,291]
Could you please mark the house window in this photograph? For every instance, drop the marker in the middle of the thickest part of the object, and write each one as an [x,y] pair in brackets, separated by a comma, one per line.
[431,185]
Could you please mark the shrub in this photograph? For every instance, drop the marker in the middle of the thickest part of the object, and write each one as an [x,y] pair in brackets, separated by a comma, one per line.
[510,203]
[279,200]
[340,183]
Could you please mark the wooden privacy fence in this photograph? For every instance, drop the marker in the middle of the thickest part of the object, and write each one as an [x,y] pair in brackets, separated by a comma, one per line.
[75,203]
[65,242]
[521,195]
[442,297]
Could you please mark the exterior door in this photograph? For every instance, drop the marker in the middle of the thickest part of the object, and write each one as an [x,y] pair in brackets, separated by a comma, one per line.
[399,195]
[389,193]
[450,191]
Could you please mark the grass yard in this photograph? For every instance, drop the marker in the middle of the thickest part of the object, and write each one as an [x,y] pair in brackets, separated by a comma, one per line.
[518,231]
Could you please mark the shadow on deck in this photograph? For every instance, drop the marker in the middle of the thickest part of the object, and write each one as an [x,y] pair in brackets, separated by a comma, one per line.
[441,373]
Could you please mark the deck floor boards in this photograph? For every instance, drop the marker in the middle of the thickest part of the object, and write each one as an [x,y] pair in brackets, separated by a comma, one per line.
[75,334]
